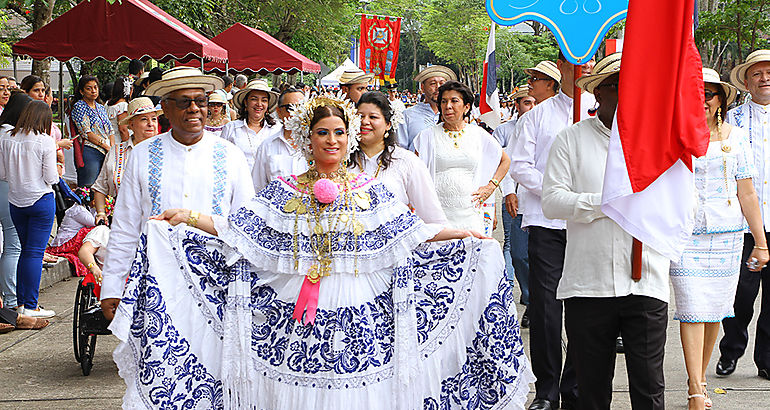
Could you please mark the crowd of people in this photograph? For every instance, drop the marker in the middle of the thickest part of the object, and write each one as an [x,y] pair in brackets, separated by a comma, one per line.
[277,246]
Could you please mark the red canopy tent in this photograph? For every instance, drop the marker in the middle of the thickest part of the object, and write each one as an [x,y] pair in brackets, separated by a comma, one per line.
[254,51]
[130,29]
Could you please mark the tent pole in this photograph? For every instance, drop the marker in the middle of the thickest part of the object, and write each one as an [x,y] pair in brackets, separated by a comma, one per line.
[201,64]
[302,77]
[15,75]
[227,67]
[61,97]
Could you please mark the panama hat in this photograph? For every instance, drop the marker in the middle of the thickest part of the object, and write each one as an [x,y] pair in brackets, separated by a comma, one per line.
[606,67]
[181,78]
[256,85]
[711,76]
[139,106]
[435,71]
[216,98]
[521,92]
[545,67]
[738,74]
[355,77]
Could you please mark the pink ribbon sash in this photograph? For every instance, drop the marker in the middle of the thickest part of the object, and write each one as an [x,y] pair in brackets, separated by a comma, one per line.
[308,298]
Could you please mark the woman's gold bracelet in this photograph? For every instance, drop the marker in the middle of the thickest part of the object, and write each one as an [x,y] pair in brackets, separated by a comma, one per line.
[760,248]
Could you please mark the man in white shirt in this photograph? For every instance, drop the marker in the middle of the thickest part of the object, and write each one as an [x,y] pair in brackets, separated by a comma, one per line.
[754,117]
[186,167]
[394,98]
[354,83]
[601,300]
[277,156]
[424,114]
[547,239]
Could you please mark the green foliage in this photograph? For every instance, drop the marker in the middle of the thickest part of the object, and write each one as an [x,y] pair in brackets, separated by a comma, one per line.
[516,51]
[730,29]
[5,48]
[457,31]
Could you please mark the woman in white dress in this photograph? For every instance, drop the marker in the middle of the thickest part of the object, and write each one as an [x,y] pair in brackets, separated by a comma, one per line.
[319,294]
[218,117]
[706,276]
[466,162]
[118,105]
[379,156]
[254,104]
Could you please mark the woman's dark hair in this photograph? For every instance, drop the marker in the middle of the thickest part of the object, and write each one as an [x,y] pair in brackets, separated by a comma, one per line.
[119,91]
[326,111]
[36,119]
[29,81]
[461,88]
[379,100]
[243,115]
[84,80]
[15,107]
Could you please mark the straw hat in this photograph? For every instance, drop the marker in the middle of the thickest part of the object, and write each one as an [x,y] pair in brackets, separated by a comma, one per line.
[545,67]
[523,91]
[738,74]
[711,76]
[139,106]
[216,98]
[355,77]
[606,67]
[181,78]
[256,85]
[435,71]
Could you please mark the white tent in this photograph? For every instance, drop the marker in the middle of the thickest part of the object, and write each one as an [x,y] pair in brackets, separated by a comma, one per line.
[332,79]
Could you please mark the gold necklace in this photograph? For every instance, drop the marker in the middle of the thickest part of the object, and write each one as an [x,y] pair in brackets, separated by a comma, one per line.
[216,123]
[455,136]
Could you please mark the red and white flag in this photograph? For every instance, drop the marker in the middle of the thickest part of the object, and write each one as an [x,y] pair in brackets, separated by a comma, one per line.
[489,106]
[648,183]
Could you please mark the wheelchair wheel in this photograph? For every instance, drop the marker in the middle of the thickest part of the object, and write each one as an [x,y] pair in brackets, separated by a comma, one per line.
[87,354]
[76,319]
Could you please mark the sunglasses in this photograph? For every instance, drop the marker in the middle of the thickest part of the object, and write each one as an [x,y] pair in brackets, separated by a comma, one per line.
[534,79]
[709,95]
[613,86]
[184,103]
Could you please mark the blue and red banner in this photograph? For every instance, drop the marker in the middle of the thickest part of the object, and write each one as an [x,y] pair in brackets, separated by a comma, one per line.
[378,52]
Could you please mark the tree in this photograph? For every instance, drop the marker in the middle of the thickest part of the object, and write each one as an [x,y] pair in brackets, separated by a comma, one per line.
[730,29]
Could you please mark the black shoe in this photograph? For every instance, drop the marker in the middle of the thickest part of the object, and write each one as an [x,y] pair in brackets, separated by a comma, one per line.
[619,348]
[764,373]
[726,367]
[543,404]
[524,323]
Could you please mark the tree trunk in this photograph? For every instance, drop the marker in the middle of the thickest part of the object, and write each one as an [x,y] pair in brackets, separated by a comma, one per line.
[41,15]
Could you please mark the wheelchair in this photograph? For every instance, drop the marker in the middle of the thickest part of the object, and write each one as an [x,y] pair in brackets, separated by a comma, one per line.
[88,322]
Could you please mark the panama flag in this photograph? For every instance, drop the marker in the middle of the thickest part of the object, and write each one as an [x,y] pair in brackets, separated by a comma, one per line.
[490,101]
[648,183]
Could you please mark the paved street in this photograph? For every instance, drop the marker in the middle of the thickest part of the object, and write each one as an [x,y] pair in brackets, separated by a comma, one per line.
[40,370]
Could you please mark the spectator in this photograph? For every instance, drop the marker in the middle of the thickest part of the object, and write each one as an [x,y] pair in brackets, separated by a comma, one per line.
[94,250]
[217,113]
[424,115]
[135,69]
[228,83]
[78,220]
[28,163]
[11,245]
[254,103]
[118,104]
[34,87]
[5,92]
[240,82]
[94,129]
[12,320]
[12,83]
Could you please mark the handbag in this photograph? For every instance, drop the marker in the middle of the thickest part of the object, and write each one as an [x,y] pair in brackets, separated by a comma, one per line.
[77,146]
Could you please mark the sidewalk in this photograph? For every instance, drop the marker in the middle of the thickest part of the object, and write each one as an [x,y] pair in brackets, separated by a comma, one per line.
[41,372]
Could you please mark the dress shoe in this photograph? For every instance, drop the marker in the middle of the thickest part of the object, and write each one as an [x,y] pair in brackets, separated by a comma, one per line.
[764,373]
[543,404]
[619,348]
[725,367]
[525,319]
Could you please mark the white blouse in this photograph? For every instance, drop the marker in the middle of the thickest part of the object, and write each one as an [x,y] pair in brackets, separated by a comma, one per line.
[408,180]
[276,157]
[239,133]
[98,238]
[28,163]
[75,218]
[108,181]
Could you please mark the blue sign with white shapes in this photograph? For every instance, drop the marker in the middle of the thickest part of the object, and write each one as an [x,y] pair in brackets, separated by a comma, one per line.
[578,25]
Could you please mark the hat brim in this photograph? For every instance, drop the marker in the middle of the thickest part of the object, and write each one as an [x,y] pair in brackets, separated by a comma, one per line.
[241,95]
[738,74]
[125,121]
[590,82]
[361,79]
[163,87]
[435,71]
[532,71]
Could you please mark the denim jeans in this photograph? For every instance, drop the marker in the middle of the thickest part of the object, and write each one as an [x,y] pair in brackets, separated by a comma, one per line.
[92,160]
[11,251]
[33,224]
[515,250]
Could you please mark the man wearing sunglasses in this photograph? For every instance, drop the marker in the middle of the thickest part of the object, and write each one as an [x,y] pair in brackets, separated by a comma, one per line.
[186,167]
[276,155]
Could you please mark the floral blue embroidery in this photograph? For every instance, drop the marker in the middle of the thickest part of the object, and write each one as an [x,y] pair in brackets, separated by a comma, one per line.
[493,359]
[169,375]
[220,177]
[155,173]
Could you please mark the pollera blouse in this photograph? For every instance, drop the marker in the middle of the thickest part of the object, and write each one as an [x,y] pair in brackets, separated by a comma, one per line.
[95,120]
